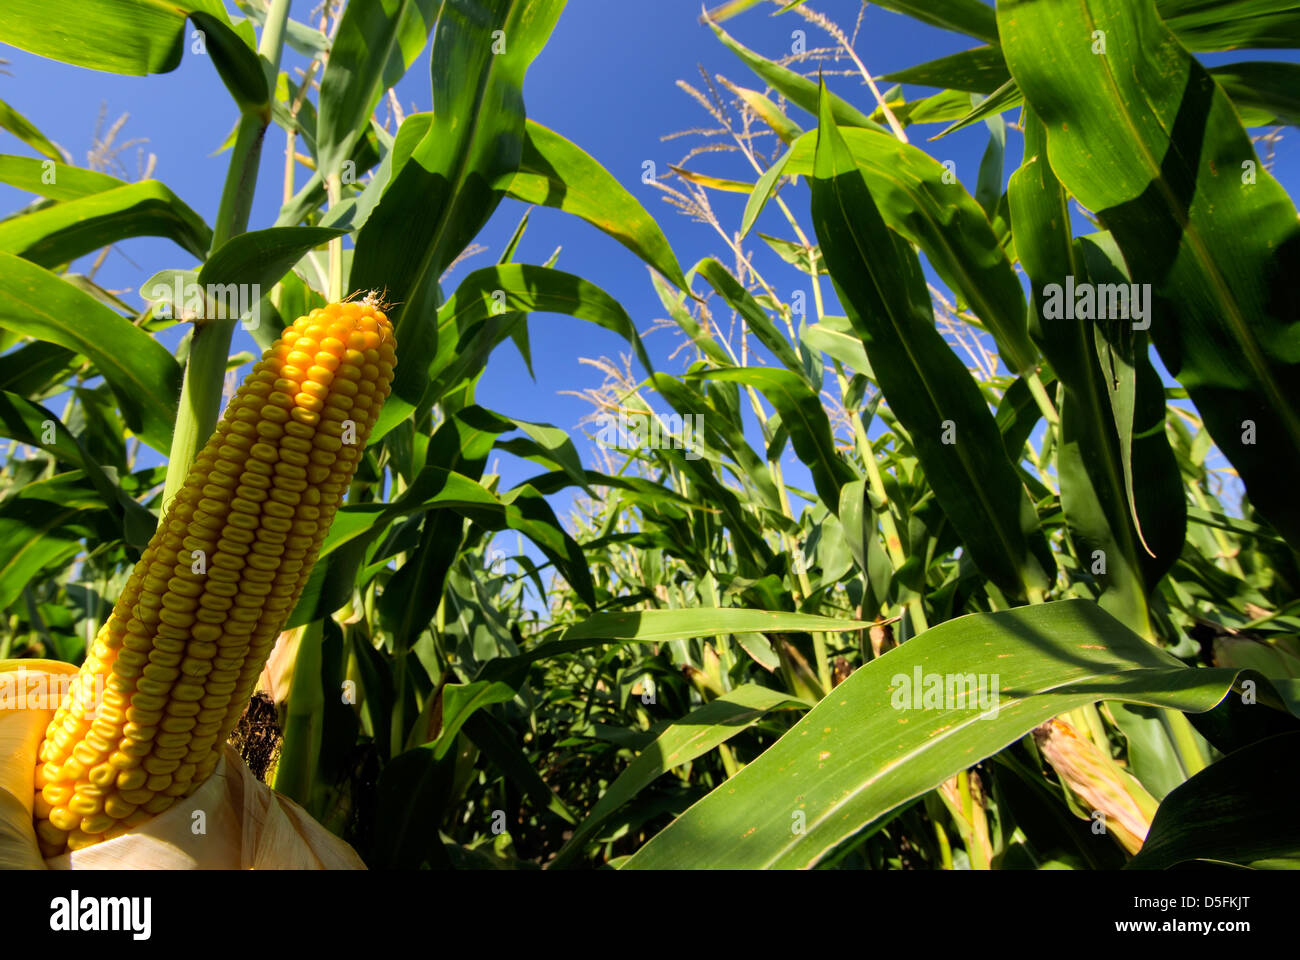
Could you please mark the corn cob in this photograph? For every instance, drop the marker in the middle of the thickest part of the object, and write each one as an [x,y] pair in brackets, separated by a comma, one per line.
[181,651]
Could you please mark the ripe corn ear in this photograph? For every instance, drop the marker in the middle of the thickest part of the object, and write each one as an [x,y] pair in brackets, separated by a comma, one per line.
[167,677]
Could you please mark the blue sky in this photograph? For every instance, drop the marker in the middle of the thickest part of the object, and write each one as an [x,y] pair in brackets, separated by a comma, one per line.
[606,81]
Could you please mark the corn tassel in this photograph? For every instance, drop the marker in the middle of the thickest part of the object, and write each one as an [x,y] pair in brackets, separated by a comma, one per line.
[182,650]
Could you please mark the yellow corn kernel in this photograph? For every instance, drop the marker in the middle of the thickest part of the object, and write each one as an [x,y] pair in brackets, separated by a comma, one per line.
[182,649]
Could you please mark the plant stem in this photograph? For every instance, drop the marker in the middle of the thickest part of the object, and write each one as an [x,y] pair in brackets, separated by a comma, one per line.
[196,418]
[205,373]
[334,191]
[241,180]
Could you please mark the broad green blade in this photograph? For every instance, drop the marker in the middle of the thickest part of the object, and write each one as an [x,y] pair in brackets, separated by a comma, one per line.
[1238,810]
[981,70]
[1204,25]
[65,231]
[836,337]
[1152,482]
[33,424]
[803,415]
[375,44]
[658,626]
[999,101]
[756,318]
[928,388]
[1094,459]
[1143,137]
[900,725]
[971,17]
[144,376]
[554,172]
[236,60]
[134,37]
[1265,93]
[925,202]
[444,192]
[35,534]
[771,114]
[798,89]
[724,432]
[262,257]
[57,182]
[26,131]
[478,316]
[692,736]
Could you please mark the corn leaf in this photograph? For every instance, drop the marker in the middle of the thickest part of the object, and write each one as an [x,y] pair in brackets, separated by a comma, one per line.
[65,231]
[375,44]
[144,376]
[879,281]
[1146,139]
[873,744]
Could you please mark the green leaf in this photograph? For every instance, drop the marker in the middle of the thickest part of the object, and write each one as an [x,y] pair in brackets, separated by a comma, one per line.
[459,703]
[478,316]
[971,17]
[144,376]
[982,70]
[722,431]
[257,260]
[556,173]
[62,232]
[799,90]
[1146,139]
[413,791]
[500,745]
[24,130]
[441,196]
[1265,93]
[692,736]
[30,423]
[1094,460]
[236,61]
[1152,482]
[879,281]
[795,254]
[870,746]
[836,337]
[134,37]
[554,444]
[770,113]
[376,43]
[1237,810]
[859,523]
[988,190]
[57,182]
[1000,100]
[1204,25]
[34,534]
[756,319]
[356,527]
[921,200]
[659,626]
[803,415]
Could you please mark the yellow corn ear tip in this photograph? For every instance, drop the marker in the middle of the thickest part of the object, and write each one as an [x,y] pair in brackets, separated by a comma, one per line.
[200,613]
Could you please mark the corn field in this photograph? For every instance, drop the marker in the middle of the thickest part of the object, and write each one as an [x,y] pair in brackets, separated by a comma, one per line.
[964,538]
